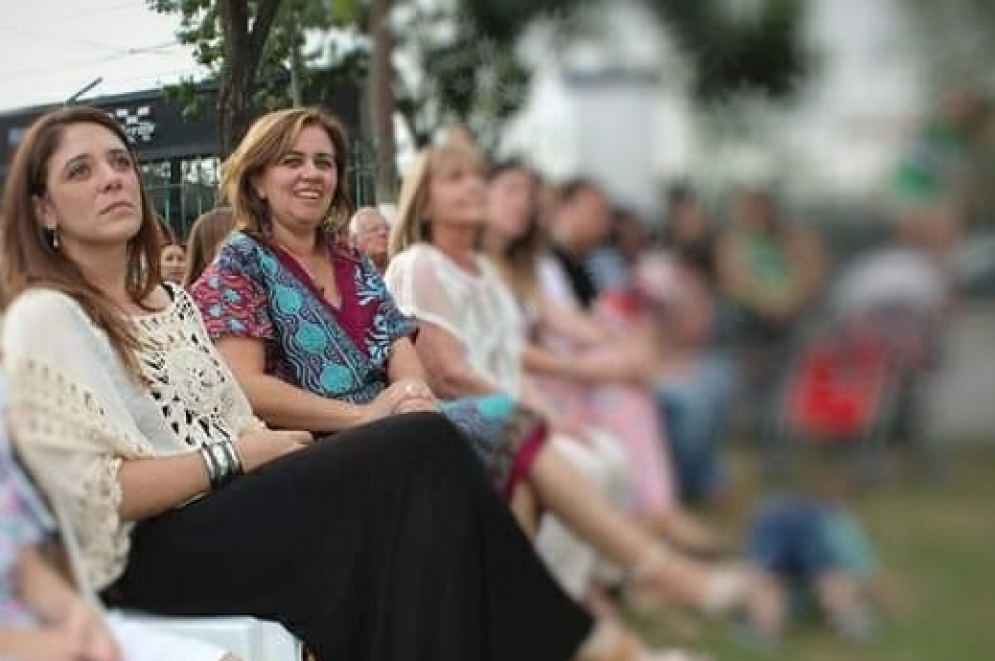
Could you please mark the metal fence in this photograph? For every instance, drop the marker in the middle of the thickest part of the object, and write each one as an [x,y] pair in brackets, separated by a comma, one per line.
[182,190]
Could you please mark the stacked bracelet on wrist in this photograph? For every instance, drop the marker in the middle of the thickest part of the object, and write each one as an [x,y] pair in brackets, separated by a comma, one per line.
[221,462]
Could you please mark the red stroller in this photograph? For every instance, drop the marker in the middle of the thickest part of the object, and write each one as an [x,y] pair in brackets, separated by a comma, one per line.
[848,384]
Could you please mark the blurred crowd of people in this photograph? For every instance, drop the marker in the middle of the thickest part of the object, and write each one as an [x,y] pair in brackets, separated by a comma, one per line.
[458,430]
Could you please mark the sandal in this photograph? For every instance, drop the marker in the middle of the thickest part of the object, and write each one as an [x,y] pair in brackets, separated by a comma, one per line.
[724,590]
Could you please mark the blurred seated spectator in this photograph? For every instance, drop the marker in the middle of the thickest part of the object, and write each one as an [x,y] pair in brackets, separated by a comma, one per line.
[689,233]
[771,272]
[692,380]
[471,336]
[172,257]
[369,233]
[206,235]
[581,222]
[591,374]
[611,263]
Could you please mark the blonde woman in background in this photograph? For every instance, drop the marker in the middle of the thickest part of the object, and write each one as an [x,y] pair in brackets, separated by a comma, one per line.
[471,339]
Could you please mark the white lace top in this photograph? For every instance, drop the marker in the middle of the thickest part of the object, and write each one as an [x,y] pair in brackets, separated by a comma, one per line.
[76,414]
[478,310]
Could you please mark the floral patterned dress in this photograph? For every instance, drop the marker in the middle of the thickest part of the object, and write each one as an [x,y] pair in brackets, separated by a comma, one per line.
[255,289]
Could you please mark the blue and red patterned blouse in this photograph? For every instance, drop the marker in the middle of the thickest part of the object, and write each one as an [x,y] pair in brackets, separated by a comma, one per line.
[256,289]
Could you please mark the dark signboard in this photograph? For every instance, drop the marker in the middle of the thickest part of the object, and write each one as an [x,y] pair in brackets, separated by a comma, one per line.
[158,128]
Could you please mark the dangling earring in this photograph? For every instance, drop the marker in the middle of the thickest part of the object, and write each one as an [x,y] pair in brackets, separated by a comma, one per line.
[53,237]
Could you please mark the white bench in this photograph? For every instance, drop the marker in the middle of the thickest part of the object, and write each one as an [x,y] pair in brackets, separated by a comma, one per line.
[248,638]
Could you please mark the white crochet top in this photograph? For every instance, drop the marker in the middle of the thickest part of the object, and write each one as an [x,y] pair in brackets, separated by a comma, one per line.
[75,413]
[478,310]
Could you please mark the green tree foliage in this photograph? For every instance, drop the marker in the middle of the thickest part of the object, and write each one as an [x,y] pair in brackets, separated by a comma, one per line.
[251,47]
[477,72]
[759,50]
[468,67]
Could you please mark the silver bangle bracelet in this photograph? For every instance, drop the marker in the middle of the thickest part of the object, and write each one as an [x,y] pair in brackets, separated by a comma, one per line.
[220,456]
[211,466]
[223,462]
[233,459]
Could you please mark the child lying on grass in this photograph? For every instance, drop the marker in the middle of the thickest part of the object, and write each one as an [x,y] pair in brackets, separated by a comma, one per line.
[814,553]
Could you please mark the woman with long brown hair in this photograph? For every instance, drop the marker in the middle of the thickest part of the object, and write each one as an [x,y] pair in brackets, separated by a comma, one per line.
[206,236]
[387,543]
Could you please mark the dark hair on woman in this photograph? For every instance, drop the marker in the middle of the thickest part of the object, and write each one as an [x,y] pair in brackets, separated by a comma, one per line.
[569,189]
[28,257]
[207,234]
[499,167]
[169,237]
[698,255]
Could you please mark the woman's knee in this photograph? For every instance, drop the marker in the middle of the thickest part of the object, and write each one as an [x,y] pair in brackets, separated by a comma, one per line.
[432,440]
[411,433]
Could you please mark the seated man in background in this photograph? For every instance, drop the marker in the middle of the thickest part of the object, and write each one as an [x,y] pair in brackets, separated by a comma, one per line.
[369,233]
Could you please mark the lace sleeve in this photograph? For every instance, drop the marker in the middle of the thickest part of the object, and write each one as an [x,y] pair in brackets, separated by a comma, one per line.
[67,415]
[416,280]
[239,415]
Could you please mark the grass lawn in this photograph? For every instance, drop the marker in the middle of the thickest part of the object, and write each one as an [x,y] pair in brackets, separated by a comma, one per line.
[938,545]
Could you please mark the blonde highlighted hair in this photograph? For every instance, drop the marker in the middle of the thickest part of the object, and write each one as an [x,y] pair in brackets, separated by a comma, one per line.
[269,139]
[413,224]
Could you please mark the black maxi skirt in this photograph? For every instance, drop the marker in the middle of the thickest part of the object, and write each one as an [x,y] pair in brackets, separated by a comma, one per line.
[385,543]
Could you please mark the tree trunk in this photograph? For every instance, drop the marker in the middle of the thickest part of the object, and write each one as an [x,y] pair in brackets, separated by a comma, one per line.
[242,51]
[382,99]
[234,107]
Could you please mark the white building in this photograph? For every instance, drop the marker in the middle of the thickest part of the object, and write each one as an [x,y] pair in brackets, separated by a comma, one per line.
[613,103]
